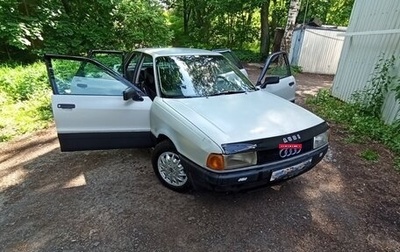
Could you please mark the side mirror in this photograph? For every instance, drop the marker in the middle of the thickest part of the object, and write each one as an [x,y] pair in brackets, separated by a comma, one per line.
[270,80]
[131,93]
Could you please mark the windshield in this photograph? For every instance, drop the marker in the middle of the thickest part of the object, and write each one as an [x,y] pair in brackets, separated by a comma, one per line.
[199,75]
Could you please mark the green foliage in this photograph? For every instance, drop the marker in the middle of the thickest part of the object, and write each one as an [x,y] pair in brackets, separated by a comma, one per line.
[74,27]
[21,82]
[331,12]
[140,24]
[397,163]
[361,125]
[296,69]
[247,55]
[30,28]
[237,24]
[339,12]
[370,155]
[24,100]
[372,98]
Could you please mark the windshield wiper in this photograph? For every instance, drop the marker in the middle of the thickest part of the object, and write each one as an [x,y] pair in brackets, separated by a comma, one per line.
[229,92]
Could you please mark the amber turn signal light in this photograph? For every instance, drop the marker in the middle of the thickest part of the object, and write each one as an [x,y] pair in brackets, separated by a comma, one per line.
[215,162]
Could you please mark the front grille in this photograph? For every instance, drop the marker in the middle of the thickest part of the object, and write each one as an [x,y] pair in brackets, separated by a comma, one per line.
[271,155]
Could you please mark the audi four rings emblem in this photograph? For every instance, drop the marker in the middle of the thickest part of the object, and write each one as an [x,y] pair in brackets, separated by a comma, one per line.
[288,150]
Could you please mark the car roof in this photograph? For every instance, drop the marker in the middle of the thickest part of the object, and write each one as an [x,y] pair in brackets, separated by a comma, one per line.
[168,51]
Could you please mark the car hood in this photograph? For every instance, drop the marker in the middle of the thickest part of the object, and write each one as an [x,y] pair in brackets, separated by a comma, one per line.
[243,117]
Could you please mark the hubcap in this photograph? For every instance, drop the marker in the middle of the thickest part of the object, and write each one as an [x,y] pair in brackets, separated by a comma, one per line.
[171,170]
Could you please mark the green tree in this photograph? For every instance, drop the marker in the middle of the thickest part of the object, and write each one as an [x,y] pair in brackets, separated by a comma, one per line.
[331,12]
[339,12]
[32,27]
[73,27]
[20,28]
[140,23]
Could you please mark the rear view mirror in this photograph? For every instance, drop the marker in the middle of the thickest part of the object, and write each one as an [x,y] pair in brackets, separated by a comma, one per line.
[270,80]
[131,93]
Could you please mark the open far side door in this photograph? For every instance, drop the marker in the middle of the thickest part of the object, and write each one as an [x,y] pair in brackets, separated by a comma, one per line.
[94,107]
[231,56]
[277,65]
[113,59]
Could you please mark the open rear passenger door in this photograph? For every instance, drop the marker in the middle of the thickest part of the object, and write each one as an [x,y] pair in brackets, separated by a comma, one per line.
[96,108]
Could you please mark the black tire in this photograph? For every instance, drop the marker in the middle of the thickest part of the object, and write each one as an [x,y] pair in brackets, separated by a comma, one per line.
[168,169]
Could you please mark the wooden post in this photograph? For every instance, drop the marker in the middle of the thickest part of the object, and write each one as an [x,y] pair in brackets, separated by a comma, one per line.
[276,47]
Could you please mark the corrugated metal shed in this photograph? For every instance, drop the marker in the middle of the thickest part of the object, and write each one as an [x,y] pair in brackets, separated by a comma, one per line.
[316,50]
[373,33]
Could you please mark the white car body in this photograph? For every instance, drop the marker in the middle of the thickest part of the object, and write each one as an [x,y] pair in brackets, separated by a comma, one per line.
[252,123]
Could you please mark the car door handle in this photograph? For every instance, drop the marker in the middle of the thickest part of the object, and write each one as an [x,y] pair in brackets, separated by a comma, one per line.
[65,106]
[291,83]
[82,85]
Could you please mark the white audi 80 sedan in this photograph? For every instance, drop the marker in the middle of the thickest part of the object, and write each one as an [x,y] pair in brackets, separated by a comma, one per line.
[209,125]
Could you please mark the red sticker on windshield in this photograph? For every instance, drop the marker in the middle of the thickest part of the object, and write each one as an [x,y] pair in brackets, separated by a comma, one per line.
[290,146]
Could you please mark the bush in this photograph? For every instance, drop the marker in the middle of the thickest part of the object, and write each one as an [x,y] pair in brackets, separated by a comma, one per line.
[24,99]
[357,121]
[21,82]
[247,55]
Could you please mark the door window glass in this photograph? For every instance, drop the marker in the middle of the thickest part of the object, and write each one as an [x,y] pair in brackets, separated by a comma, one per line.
[279,67]
[112,60]
[80,77]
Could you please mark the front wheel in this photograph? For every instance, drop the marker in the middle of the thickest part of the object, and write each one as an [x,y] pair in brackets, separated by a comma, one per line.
[168,168]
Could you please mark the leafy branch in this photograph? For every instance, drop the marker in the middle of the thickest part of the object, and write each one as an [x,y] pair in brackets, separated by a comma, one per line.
[371,99]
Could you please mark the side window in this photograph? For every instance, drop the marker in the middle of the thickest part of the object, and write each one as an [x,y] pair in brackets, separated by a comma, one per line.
[279,67]
[134,60]
[82,77]
[130,67]
[146,77]
[147,61]
[170,79]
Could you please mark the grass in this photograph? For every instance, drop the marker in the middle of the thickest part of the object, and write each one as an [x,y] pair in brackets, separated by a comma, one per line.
[24,100]
[370,155]
[359,123]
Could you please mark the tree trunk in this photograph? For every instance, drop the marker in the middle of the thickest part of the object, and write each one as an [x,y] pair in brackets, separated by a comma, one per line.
[26,9]
[290,25]
[186,17]
[8,53]
[264,48]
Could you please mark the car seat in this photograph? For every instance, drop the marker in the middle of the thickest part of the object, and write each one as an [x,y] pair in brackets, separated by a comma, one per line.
[149,83]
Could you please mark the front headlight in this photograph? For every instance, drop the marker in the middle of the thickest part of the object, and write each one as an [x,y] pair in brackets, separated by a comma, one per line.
[240,160]
[321,140]
[227,162]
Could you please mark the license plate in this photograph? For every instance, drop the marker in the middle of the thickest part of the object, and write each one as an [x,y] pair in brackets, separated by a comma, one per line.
[289,171]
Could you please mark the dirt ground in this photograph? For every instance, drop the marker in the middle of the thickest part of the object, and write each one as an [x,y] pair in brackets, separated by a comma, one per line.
[112,201]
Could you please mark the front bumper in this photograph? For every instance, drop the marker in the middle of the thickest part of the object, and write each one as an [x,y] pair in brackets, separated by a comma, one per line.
[254,177]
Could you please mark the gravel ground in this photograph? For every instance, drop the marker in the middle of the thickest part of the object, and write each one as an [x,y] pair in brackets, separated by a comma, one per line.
[112,201]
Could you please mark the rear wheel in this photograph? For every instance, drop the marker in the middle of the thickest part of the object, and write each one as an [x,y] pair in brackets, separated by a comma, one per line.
[168,168]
